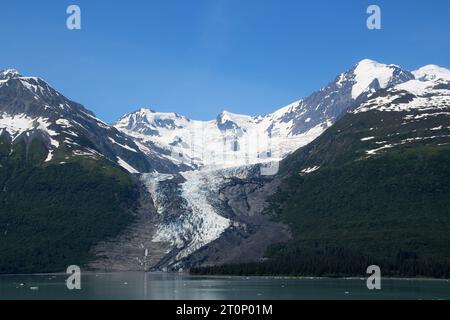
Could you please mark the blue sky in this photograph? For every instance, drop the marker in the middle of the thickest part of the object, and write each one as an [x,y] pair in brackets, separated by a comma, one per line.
[199,57]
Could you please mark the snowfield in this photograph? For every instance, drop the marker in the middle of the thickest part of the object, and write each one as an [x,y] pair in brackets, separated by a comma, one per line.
[229,141]
[17,125]
[368,71]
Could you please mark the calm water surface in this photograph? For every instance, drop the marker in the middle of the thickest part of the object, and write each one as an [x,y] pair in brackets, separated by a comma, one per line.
[158,286]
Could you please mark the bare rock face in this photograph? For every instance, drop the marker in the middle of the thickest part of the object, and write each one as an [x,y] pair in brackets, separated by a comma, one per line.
[134,249]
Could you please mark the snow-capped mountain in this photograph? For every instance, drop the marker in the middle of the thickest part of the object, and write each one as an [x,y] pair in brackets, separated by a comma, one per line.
[233,140]
[217,204]
[432,72]
[400,116]
[30,110]
[215,215]
[380,173]
[387,160]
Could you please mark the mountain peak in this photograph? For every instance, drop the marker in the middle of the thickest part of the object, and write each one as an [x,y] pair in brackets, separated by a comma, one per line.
[368,62]
[367,71]
[374,64]
[145,110]
[432,72]
[226,115]
[9,74]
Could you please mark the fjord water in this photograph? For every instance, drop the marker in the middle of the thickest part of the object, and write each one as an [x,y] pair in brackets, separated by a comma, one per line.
[161,286]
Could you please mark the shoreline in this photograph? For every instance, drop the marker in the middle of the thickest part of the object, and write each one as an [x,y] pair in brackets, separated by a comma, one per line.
[280,277]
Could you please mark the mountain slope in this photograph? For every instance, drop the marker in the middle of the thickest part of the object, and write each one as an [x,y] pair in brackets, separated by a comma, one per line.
[64,178]
[50,216]
[31,109]
[373,189]
[232,140]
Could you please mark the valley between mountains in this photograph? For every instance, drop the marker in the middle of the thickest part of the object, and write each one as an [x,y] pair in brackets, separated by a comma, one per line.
[355,174]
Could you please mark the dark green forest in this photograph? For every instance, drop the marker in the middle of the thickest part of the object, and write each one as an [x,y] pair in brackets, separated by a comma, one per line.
[51,215]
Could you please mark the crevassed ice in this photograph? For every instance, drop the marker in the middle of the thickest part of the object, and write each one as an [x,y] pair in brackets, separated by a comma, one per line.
[199,223]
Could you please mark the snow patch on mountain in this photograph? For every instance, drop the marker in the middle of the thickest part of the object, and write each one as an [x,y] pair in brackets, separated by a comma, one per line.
[17,125]
[122,145]
[377,151]
[310,170]
[417,95]
[417,103]
[126,166]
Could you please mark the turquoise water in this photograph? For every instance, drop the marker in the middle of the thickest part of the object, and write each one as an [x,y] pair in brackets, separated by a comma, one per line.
[159,286]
